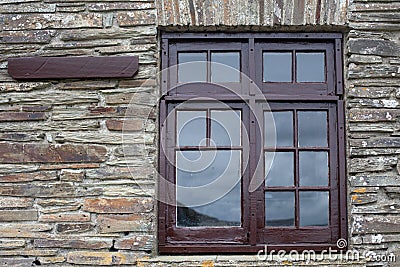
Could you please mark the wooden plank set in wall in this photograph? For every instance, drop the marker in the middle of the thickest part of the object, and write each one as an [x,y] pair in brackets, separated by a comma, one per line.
[28,68]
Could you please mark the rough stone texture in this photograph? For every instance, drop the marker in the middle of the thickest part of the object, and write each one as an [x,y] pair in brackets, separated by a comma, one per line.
[243,12]
[67,196]
[373,67]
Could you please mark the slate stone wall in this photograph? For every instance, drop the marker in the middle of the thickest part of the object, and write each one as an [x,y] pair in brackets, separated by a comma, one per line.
[67,196]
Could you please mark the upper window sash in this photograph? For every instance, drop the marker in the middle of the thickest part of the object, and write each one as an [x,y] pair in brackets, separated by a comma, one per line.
[294,84]
[303,53]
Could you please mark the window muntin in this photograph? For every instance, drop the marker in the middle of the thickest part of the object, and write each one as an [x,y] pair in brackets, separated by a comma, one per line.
[291,68]
[279,66]
[295,103]
[210,65]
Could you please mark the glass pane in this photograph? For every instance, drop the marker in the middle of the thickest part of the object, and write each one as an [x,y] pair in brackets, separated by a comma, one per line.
[284,129]
[313,168]
[226,127]
[281,172]
[191,127]
[310,67]
[196,71]
[314,208]
[209,188]
[279,208]
[313,129]
[277,67]
[221,73]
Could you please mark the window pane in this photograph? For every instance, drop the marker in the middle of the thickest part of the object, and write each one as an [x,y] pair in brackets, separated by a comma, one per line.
[313,129]
[314,208]
[221,73]
[226,127]
[203,177]
[284,129]
[194,72]
[279,208]
[281,172]
[191,127]
[313,168]
[310,67]
[277,67]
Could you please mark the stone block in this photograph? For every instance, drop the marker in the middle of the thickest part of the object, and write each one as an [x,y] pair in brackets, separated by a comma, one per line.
[17,262]
[18,215]
[17,230]
[74,228]
[372,164]
[28,177]
[136,17]
[123,223]
[100,258]
[11,244]
[17,153]
[22,116]
[373,180]
[65,217]
[29,190]
[137,242]
[81,243]
[373,47]
[72,175]
[372,115]
[118,205]
[15,202]
[125,125]
[53,21]
[376,224]
[98,7]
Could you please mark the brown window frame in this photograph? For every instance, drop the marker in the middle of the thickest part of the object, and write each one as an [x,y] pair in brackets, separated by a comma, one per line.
[253,235]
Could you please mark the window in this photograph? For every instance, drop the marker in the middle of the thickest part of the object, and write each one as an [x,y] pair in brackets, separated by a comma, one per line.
[251,143]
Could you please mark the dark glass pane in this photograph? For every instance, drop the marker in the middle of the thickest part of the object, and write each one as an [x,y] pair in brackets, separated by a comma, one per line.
[310,67]
[281,172]
[208,188]
[277,67]
[196,71]
[221,73]
[225,127]
[313,129]
[191,128]
[283,126]
[279,208]
[314,208]
[313,168]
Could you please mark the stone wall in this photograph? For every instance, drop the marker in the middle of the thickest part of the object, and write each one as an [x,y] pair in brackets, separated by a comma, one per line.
[373,91]
[67,196]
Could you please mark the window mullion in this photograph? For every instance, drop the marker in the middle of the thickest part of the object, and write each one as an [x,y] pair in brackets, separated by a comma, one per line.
[296,170]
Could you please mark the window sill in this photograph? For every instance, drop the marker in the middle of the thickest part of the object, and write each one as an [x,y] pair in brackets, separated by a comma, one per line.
[244,260]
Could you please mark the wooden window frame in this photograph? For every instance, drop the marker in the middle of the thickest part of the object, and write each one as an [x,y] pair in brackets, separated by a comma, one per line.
[253,236]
